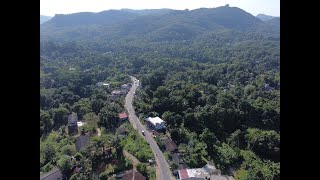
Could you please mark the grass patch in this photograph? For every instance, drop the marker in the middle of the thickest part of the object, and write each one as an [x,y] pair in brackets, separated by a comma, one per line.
[137,146]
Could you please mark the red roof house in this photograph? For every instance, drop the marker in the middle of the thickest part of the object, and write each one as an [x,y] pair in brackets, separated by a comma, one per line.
[123,116]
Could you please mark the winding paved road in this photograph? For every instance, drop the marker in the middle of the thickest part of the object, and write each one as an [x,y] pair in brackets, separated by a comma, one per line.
[165,172]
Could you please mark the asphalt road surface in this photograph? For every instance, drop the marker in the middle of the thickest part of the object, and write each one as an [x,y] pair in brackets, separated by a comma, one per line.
[165,172]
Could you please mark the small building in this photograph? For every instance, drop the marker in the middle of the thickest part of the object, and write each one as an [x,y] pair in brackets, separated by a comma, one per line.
[54,174]
[221,177]
[171,146]
[81,142]
[116,93]
[210,169]
[133,174]
[73,124]
[103,84]
[126,87]
[156,123]
[183,174]
[179,161]
[183,166]
[122,117]
[206,172]
[196,173]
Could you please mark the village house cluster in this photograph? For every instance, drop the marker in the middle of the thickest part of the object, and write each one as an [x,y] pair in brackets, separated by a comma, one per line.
[82,140]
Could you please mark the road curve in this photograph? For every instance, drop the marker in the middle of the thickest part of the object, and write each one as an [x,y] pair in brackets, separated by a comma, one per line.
[165,172]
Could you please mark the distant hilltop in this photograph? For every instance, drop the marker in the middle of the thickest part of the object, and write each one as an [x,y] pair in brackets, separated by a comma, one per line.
[44,18]
[264,17]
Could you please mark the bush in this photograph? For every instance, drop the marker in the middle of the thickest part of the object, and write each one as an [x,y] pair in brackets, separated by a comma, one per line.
[104,176]
[174,166]
[68,150]
[47,167]
[151,174]
[241,174]
[142,168]
[123,165]
[64,163]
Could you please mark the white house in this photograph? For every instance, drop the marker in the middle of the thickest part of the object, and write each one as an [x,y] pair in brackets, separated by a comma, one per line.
[103,84]
[207,172]
[156,123]
[197,173]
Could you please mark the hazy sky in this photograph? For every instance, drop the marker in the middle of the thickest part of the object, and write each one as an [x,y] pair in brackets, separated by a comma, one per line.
[52,7]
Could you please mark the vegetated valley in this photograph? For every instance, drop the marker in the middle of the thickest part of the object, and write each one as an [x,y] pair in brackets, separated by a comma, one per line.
[211,74]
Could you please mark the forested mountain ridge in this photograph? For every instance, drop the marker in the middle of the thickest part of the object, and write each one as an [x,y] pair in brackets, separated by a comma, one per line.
[201,34]
[154,26]
[89,18]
